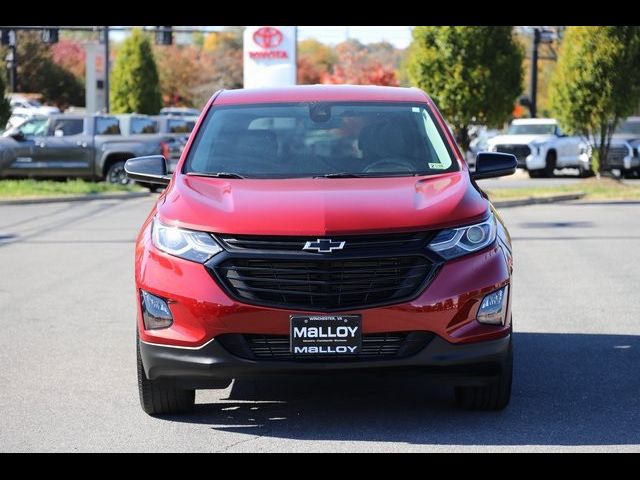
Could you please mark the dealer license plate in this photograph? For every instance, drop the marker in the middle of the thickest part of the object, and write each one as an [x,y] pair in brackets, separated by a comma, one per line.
[326,334]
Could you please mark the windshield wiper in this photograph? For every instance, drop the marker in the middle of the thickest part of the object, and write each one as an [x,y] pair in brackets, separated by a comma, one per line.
[216,175]
[340,175]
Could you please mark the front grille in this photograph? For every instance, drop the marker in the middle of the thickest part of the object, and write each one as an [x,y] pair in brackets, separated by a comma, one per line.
[354,243]
[615,157]
[323,284]
[374,346]
[520,151]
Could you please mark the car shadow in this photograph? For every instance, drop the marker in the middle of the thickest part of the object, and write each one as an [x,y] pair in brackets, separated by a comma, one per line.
[569,389]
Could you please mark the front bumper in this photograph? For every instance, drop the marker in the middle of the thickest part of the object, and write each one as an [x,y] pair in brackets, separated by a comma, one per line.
[472,363]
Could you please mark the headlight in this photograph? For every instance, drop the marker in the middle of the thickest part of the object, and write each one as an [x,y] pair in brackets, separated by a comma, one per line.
[188,244]
[455,242]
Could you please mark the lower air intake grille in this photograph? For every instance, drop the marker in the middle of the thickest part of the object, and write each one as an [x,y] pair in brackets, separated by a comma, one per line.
[374,346]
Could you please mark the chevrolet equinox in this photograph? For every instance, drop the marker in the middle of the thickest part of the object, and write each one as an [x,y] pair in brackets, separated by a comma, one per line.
[322,229]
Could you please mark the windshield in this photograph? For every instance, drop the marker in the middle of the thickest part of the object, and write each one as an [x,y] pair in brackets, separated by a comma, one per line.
[320,139]
[629,127]
[532,129]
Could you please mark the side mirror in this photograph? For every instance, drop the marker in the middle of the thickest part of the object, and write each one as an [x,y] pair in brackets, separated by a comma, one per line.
[151,169]
[58,133]
[491,164]
[18,136]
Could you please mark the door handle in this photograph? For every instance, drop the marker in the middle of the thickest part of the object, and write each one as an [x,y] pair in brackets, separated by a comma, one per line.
[81,144]
[41,144]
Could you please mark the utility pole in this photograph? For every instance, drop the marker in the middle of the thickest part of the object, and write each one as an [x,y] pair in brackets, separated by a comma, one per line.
[106,68]
[12,58]
[539,36]
[533,85]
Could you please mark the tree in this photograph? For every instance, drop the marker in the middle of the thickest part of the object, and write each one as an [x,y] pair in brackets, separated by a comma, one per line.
[221,63]
[354,66]
[315,59]
[5,107]
[135,86]
[596,83]
[70,55]
[473,73]
[180,72]
[37,73]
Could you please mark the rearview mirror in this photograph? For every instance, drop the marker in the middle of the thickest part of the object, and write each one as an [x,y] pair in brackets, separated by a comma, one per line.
[151,169]
[492,164]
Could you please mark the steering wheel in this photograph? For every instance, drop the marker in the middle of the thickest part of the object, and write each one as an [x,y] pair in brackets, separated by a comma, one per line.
[390,165]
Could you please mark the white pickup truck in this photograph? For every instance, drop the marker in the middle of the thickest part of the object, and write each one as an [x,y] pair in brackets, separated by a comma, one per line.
[540,147]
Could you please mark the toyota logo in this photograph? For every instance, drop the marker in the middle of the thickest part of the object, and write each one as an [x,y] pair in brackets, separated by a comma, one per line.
[267,37]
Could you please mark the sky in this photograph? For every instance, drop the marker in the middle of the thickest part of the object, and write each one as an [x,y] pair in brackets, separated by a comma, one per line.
[398,36]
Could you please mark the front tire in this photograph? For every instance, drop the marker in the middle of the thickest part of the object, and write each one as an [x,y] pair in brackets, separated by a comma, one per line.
[116,174]
[550,164]
[158,399]
[495,395]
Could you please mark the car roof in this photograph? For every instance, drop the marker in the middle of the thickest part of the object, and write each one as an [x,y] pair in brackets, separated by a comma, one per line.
[315,93]
[535,121]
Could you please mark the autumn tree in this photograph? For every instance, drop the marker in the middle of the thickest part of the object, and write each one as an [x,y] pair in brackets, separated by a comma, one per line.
[355,67]
[180,73]
[596,83]
[315,60]
[135,85]
[38,73]
[473,73]
[70,55]
[221,63]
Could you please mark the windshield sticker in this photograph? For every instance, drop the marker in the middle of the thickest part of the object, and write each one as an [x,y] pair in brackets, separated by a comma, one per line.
[437,166]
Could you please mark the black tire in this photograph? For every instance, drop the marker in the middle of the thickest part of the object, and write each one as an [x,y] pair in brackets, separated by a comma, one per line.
[494,396]
[535,173]
[157,399]
[550,164]
[116,174]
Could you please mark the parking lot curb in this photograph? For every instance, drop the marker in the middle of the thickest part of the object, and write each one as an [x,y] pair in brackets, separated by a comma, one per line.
[75,198]
[537,200]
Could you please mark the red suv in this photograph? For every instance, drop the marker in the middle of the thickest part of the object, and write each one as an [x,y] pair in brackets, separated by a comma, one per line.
[322,229]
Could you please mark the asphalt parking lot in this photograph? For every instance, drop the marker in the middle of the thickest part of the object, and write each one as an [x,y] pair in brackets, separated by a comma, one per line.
[68,380]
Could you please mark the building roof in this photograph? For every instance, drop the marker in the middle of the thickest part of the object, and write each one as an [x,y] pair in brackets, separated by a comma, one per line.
[315,93]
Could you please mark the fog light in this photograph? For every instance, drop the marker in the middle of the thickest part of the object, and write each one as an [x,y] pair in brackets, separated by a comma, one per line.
[155,312]
[493,307]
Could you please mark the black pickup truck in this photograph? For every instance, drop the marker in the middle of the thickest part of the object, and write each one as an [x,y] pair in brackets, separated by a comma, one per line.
[73,146]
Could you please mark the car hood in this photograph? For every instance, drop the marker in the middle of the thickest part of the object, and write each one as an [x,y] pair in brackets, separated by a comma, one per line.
[517,139]
[321,206]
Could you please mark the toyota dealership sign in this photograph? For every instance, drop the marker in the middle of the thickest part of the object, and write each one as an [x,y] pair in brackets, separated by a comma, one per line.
[269,56]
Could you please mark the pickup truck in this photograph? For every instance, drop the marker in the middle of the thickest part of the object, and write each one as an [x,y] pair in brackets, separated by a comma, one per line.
[173,131]
[624,150]
[78,146]
[540,147]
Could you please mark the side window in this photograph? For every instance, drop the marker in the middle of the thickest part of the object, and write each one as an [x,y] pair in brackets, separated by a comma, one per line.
[143,125]
[68,127]
[178,126]
[107,126]
[36,127]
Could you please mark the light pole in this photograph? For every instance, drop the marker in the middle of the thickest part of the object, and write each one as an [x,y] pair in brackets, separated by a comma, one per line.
[539,36]
[106,69]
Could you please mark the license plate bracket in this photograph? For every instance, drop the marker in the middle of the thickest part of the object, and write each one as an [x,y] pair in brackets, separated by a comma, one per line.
[325,335]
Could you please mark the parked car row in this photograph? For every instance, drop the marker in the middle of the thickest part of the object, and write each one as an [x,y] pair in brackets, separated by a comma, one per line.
[541,147]
[89,146]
